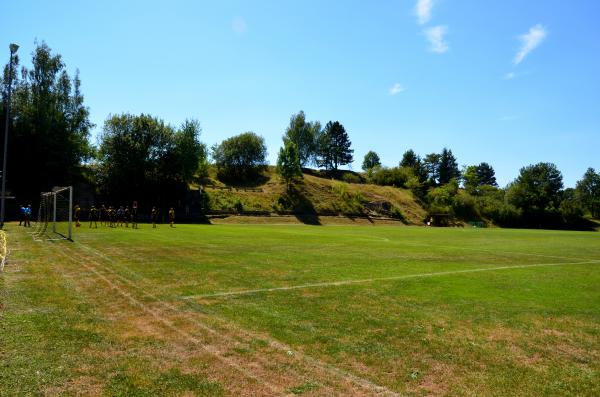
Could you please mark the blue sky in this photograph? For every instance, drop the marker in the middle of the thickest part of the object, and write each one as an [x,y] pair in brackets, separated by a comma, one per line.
[509,82]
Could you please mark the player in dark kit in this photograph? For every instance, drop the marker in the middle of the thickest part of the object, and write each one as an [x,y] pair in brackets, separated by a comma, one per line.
[77,213]
[127,216]
[172,217]
[154,216]
[111,216]
[94,216]
[120,216]
[102,215]
[134,210]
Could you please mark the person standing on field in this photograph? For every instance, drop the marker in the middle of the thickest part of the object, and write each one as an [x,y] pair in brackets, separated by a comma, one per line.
[22,210]
[134,209]
[172,217]
[127,216]
[94,216]
[153,217]
[120,216]
[28,216]
[102,215]
[77,214]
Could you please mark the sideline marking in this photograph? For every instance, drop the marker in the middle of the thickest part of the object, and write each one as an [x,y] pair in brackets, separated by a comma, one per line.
[369,280]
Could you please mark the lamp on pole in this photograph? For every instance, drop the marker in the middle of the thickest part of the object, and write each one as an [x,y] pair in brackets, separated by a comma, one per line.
[13,50]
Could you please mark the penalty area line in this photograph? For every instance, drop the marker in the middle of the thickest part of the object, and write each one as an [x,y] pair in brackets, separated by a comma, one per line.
[370,280]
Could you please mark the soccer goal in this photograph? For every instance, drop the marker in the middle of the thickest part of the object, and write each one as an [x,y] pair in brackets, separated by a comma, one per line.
[55,215]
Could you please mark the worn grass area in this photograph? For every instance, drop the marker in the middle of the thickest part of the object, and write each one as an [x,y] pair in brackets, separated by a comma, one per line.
[301,310]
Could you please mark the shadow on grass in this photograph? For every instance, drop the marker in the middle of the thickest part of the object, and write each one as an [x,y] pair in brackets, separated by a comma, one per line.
[300,206]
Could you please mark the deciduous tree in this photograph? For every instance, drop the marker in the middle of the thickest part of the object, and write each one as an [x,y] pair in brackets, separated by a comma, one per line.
[304,135]
[371,161]
[288,163]
[588,190]
[241,157]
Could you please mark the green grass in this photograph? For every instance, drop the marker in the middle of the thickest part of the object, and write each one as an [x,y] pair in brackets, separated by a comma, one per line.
[130,312]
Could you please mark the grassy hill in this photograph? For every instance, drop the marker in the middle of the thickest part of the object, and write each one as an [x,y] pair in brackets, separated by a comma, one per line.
[317,195]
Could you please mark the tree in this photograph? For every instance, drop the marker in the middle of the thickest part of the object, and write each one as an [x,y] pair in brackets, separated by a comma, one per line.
[371,161]
[448,167]
[537,190]
[471,181]
[190,153]
[241,157]
[334,147]
[288,163]
[570,207]
[588,190]
[476,176]
[49,126]
[431,164]
[141,156]
[411,160]
[486,175]
[304,135]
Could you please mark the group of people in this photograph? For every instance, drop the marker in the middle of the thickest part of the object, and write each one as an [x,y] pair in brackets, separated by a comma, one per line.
[118,217]
[25,218]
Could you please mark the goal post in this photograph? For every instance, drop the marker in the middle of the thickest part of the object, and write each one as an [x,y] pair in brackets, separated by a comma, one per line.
[55,216]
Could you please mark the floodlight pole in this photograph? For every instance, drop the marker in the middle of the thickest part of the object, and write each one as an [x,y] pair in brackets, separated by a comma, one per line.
[13,50]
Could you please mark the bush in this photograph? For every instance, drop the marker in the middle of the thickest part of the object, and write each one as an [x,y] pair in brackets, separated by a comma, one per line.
[396,213]
[396,176]
[350,177]
[465,206]
[441,199]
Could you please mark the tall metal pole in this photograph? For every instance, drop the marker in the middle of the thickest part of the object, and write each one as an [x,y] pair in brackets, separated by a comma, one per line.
[71,213]
[13,50]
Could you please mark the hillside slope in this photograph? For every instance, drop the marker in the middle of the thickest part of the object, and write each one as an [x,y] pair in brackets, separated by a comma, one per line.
[314,196]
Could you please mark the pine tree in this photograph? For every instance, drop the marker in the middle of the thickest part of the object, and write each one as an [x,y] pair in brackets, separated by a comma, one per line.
[448,167]
[334,147]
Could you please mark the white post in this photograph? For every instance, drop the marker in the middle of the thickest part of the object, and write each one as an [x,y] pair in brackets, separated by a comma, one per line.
[70,212]
[54,214]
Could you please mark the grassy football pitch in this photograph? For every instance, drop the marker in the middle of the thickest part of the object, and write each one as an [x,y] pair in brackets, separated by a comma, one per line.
[301,310]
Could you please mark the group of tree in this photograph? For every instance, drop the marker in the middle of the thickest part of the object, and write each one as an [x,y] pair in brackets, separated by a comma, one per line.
[535,198]
[327,148]
[49,125]
[140,155]
[49,140]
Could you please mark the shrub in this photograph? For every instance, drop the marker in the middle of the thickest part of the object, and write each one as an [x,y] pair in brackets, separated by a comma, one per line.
[396,213]
[350,177]
[396,176]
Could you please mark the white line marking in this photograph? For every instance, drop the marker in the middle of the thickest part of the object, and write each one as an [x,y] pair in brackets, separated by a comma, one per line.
[362,382]
[169,324]
[369,280]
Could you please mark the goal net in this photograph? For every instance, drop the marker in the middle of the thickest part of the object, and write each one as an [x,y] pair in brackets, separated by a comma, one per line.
[55,214]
